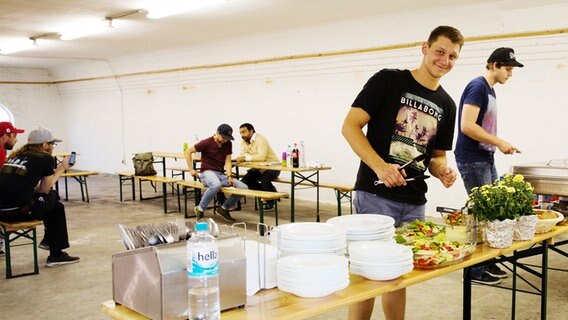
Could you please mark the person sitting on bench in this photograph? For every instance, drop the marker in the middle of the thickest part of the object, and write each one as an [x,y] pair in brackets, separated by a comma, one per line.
[255,147]
[215,158]
[26,180]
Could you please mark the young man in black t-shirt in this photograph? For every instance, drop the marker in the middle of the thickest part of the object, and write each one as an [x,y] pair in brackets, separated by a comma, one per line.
[26,180]
[407,114]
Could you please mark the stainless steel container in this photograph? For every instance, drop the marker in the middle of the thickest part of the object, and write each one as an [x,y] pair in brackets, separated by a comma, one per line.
[153,282]
[547,178]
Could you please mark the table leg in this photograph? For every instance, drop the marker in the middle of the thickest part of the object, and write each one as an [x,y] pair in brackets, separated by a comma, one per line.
[467,293]
[318,196]
[544,281]
[292,204]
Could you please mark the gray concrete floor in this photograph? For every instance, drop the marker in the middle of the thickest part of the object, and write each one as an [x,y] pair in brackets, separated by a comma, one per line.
[77,291]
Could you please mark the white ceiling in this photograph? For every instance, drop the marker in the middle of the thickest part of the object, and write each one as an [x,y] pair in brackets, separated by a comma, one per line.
[135,33]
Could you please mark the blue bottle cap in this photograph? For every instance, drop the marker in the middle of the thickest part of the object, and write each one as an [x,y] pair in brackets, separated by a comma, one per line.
[201,226]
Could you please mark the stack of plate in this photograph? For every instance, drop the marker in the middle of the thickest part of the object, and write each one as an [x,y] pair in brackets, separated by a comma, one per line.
[377,260]
[313,275]
[365,227]
[308,238]
[261,266]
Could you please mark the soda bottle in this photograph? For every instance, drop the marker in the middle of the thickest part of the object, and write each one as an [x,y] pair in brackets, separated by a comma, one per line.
[295,156]
[302,151]
[203,275]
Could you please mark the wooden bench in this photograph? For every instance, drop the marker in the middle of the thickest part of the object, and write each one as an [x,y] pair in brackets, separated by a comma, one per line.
[130,176]
[13,231]
[343,193]
[81,177]
[261,196]
[178,171]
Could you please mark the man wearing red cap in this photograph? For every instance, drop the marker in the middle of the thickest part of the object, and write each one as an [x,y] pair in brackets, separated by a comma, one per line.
[8,138]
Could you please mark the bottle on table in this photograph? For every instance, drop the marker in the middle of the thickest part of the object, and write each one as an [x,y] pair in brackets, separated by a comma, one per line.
[302,151]
[185,146]
[203,275]
[295,156]
[284,156]
[289,157]
[195,141]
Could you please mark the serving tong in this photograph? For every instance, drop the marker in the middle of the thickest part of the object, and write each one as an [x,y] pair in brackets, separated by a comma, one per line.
[414,160]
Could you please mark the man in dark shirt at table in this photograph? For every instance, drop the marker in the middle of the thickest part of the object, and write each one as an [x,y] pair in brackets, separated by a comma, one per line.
[216,170]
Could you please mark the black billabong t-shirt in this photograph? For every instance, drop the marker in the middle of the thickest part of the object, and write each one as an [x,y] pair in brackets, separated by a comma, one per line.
[407,120]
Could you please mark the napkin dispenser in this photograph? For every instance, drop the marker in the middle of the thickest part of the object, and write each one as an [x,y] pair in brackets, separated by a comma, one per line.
[152,280]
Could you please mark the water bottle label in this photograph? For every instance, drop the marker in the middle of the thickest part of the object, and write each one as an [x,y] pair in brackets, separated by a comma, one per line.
[204,263]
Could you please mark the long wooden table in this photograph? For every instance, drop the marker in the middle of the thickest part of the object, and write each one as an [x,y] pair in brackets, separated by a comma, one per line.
[298,177]
[276,304]
[164,156]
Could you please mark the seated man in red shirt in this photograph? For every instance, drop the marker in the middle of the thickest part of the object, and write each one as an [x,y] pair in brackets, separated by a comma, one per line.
[216,170]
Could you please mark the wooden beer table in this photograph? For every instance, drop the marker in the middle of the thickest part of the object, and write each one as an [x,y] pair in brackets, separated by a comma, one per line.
[277,304]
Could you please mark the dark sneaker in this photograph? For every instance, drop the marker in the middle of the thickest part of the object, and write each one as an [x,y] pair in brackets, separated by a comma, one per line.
[224,213]
[43,245]
[485,278]
[61,260]
[198,213]
[495,271]
[269,206]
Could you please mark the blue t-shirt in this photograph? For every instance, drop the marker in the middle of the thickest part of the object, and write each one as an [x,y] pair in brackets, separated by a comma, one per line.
[478,93]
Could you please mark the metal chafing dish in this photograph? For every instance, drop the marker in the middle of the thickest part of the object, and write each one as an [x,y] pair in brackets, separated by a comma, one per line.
[547,178]
[152,280]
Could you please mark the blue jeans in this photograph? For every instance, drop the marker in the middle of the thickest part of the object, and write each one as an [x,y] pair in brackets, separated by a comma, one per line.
[477,174]
[366,202]
[214,181]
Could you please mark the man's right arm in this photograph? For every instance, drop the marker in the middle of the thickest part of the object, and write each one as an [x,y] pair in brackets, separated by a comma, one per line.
[188,154]
[470,128]
[352,130]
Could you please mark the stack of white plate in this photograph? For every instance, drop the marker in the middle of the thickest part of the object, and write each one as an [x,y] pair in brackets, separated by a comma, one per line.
[313,275]
[308,238]
[377,260]
[365,227]
[261,266]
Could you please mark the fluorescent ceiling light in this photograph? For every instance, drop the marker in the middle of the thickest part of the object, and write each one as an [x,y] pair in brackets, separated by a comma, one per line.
[17,46]
[87,30]
[179,7]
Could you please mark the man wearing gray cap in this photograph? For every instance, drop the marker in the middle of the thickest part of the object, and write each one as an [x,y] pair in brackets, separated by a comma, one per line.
[216,170]
[477,136]
[26,180]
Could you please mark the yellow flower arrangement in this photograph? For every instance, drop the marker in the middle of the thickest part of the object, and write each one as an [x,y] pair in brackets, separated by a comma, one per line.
[508,198]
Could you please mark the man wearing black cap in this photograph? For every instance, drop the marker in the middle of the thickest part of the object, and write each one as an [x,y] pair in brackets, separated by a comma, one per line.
[26,180]
[216,170]
[477,136]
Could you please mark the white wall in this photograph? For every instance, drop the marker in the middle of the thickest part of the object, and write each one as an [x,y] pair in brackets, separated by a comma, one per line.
[33,105]
[107,120]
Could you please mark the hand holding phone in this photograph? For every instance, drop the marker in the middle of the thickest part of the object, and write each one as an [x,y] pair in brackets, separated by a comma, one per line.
[72,157]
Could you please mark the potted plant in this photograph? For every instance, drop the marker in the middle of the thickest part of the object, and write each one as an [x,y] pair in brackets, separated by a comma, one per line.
[493,205]
[521,206]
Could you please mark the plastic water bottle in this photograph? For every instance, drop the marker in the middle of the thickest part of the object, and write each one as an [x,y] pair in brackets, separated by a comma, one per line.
[203,275]
[195,141]
[302,151]
[289,157]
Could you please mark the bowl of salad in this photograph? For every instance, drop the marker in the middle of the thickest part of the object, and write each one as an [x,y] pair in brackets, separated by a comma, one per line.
[440,252]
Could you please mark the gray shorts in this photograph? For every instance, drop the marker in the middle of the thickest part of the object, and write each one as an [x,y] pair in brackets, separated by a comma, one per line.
[366,202]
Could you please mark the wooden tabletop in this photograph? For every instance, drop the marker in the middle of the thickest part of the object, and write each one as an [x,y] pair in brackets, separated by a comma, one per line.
[277,167]
[276,304]
[173,155]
